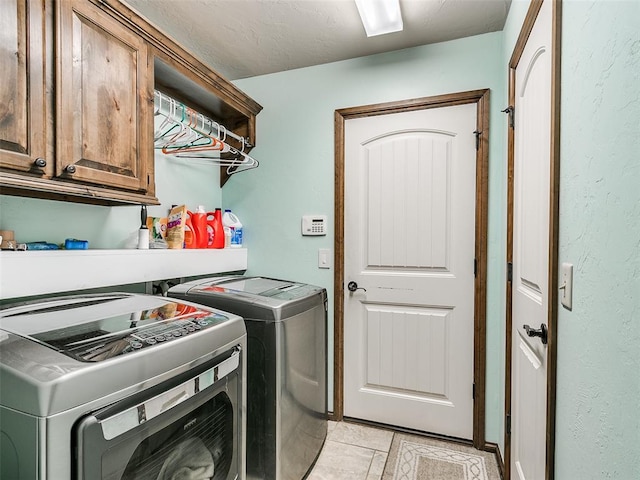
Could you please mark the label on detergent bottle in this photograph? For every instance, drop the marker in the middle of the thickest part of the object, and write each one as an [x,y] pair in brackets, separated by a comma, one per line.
[236,236]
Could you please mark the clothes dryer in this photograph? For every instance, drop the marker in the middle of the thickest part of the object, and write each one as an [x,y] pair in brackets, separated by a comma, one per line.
[286,367]
[118,385]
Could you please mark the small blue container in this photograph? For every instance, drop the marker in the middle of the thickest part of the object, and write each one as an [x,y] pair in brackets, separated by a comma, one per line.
[41,246]
[74,244]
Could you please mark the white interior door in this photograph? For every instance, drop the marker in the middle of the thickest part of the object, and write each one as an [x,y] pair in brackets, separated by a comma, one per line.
[530,285]
[409,240]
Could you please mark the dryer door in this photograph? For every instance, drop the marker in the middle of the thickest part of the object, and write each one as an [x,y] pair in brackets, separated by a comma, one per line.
[185,428]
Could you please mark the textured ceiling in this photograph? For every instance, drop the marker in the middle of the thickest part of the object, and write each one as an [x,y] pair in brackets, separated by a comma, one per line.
[245,38]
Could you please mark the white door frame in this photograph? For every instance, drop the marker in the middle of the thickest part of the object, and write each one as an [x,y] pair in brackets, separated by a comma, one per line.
[554,180]
[481,99]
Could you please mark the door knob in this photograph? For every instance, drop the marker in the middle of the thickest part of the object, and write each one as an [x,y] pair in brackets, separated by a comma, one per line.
[542,332]
[40,162]
[353,286]
[70,169]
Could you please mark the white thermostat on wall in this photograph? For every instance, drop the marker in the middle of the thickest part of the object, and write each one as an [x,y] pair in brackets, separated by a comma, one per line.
[314,225]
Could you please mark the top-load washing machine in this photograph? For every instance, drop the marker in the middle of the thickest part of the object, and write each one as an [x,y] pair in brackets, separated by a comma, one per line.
[286,367]
[121,387]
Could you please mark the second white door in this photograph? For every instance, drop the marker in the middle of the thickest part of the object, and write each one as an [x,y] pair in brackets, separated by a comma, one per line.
[409,237]
[531,250]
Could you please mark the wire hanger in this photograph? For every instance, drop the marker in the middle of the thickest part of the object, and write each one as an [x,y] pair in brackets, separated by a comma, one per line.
[185,133]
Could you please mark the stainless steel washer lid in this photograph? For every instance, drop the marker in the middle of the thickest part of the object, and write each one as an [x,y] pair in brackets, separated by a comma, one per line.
[259,298]
[67,351]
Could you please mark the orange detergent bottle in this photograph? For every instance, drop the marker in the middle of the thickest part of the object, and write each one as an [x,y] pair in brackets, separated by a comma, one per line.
[197,222]
[189,234]
[215,232]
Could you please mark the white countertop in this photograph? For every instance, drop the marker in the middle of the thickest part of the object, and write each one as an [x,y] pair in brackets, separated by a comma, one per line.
[39,272]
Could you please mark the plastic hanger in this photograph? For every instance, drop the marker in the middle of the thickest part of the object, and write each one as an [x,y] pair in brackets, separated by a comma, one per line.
[186,133]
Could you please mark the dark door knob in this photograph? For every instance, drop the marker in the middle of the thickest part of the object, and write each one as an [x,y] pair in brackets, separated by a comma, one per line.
[71,169]
[353,286]
[542,332]
[40,162]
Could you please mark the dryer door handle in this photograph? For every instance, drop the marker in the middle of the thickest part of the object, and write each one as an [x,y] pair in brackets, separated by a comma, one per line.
[136,415]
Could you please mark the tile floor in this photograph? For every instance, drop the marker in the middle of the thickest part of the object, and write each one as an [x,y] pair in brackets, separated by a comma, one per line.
[352,452]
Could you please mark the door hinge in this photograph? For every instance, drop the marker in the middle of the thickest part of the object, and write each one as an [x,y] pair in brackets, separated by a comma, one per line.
[473,391]
[507,425]
[509,272]
[511,111]
[475,267]
[477,133]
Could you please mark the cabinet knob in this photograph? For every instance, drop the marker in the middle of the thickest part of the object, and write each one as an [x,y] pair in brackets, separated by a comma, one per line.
[71,169]
[40,162]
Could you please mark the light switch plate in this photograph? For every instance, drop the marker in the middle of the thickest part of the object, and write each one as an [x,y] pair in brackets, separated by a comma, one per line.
[324,258]
[566,285]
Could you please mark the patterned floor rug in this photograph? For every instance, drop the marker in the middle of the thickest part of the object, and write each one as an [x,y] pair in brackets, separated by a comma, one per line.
[418,458]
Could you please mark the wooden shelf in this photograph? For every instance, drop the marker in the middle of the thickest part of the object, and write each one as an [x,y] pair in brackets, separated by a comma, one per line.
[30,273]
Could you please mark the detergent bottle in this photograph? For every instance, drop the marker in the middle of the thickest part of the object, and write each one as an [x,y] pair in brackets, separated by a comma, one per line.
[190,240]
[198,225]
[215,233]
[232,222]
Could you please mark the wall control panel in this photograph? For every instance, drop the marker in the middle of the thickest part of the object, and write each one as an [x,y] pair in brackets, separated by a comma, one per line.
[314,225]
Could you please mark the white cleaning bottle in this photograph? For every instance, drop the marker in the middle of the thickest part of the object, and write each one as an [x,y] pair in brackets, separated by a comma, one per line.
[230,221]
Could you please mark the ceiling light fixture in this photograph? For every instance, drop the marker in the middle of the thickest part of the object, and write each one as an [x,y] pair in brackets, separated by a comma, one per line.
[380,16]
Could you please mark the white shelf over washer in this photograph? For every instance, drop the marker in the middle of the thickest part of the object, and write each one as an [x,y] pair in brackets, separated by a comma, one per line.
[28,273]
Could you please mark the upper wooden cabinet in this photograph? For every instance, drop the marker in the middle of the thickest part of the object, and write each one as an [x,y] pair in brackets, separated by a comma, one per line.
[103,82]
[76,99]
[22,87]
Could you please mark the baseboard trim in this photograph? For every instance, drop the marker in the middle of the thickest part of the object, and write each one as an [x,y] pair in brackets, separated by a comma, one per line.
[495,449]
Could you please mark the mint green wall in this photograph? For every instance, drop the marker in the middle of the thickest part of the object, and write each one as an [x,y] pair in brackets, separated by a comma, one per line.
[598,392]
[510,31]
[296,173]
[178,181]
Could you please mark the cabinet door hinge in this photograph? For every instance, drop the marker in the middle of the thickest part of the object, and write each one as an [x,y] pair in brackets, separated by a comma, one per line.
[475,267]
[511,111]
[507,424]
[473,391]
[509,272]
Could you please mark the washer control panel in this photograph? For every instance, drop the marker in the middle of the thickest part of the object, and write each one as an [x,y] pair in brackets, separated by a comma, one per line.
[96,337]
[171,330]
[146,336]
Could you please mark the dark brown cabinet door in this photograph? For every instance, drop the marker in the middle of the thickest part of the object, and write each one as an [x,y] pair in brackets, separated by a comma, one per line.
[103,98]
[22,87]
